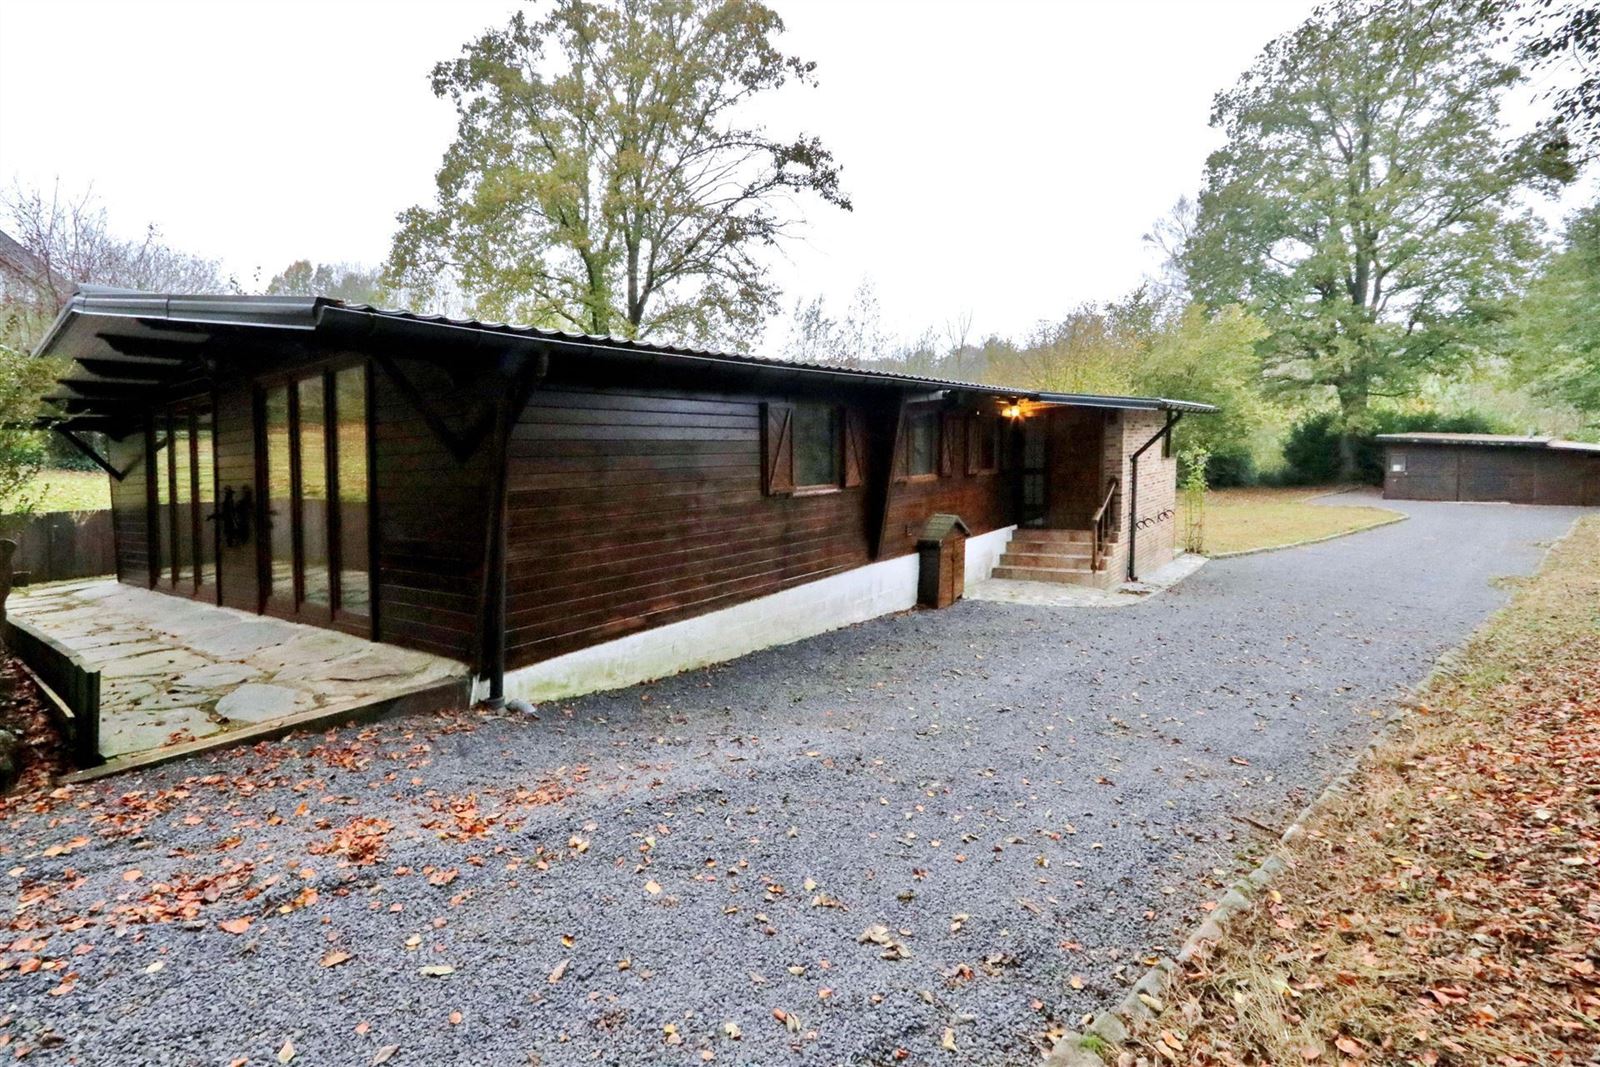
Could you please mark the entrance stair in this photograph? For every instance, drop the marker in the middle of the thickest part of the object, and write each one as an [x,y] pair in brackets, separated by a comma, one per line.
[1065,557]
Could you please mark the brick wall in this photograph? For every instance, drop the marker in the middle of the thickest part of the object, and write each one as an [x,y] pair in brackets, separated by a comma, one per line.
[1158,490]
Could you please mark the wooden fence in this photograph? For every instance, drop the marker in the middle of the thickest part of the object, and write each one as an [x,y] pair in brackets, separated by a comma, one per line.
[57,545]
[70,688]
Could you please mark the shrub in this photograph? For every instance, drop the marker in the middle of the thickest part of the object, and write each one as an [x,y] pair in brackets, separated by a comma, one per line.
[1311,452]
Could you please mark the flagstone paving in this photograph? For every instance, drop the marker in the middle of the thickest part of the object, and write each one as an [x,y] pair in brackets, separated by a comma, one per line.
[175,670]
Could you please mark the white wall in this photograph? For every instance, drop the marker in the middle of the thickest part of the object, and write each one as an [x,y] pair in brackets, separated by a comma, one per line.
[804,611]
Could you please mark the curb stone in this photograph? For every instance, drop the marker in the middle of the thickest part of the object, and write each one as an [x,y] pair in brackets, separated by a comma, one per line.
[1109,1029]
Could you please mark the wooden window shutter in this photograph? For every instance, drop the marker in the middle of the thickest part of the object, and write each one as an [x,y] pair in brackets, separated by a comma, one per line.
[900,463]
[855,448]
[777,445]
[974,443]
[947,443]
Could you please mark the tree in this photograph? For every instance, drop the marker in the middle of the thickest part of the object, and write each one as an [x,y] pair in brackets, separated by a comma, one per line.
[601,180]
[1563,36]
[70,242]
[1557,329]
[1365,203]
[342,281]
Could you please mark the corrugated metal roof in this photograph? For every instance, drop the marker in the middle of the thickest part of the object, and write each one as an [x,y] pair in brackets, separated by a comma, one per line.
[84,331]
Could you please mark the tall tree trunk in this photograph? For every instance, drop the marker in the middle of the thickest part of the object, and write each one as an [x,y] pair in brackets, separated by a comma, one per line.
[1353,398]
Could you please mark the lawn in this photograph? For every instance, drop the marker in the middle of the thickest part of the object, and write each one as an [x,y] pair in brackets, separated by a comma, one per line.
[1244,520]
[63,490]
[1444,909]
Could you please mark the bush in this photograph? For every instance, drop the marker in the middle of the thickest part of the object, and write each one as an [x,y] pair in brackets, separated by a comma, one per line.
[1311,452]
[1230,466]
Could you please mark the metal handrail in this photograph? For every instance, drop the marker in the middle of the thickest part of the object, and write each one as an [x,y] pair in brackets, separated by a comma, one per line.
[1102,525]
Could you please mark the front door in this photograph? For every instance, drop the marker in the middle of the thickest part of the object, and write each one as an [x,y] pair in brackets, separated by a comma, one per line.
[314,484]
[1035,483]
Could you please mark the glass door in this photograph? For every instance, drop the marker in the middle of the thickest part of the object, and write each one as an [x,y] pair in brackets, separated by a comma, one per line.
[315,474]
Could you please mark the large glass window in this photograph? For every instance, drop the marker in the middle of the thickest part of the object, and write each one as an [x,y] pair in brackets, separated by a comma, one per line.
[817,448]
[205,470]
[185,552]
[182,514]
[350,413]
[316,431]
[313,445]
[279,494]
[163,523]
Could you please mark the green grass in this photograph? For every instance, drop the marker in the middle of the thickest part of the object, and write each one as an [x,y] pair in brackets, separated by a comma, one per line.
[62,490]
[1243,520]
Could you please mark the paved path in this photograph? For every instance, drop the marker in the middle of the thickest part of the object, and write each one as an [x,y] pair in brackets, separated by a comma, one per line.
[1016,805]
[175,670]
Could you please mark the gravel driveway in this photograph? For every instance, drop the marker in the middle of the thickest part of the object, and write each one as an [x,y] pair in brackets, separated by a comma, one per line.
[1015,805]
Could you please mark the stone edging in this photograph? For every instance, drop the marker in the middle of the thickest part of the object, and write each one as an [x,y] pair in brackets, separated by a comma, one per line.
[1396,517]
[1143,1002]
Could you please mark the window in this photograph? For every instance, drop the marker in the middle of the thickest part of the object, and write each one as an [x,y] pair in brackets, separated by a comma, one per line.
[983,444]
[317,493]
[816,445]
[922,444]
[185,536]
[1397,463]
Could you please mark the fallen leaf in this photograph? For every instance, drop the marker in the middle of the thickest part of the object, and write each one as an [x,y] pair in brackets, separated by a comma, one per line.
[286,1053]
[652,887]
[436,970]
[948,1042]
[560,969]
[384,1054]
[235,926]
[334,958]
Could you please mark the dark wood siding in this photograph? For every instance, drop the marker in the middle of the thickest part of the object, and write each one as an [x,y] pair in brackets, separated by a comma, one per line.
[632,509]
[431,514]
[985,500]
[1492,473]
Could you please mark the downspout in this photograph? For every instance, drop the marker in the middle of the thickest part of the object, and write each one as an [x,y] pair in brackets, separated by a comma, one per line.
[1133,490]
[509,410]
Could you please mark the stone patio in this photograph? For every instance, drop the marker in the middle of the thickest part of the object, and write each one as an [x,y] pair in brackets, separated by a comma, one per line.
[174,672]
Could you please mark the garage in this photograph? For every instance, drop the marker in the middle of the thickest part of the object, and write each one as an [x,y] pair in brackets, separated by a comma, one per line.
[1490,467]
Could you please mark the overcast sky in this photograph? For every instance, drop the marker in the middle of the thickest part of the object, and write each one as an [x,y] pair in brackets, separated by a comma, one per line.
[1004,157]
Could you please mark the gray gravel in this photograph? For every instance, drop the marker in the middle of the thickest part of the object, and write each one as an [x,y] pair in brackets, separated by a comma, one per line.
[1065,779]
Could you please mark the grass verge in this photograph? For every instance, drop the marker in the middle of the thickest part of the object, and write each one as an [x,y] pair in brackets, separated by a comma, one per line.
[64,490]
[1446,910]
[1248,520]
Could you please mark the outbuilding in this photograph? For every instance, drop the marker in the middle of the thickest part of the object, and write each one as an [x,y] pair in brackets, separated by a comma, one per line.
[568,513]
[1490,467]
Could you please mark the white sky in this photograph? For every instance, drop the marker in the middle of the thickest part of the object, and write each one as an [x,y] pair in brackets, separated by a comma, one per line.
[1004,156]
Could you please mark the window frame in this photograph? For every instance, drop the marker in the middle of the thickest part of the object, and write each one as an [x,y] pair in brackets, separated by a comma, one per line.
[292,603]
[984,428]
[835,415]
[934,417]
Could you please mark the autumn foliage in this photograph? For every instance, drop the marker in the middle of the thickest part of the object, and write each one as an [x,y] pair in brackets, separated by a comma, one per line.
[1446,910]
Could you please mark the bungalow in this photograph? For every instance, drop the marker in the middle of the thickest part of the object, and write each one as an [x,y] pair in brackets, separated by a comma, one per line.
[566,513]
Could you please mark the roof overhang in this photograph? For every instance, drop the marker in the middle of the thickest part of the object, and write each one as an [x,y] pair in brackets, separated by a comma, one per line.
[1483,440]
[130,347]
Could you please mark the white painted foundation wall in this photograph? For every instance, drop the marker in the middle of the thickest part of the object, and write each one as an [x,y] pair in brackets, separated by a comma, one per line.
[792,615]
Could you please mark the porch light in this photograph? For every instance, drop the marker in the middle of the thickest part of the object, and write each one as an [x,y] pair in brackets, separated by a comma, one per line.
[1012,411]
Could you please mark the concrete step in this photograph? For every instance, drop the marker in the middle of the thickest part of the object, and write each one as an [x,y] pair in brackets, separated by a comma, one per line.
[1036,533]
[1050,548]
[1058,575]
[1056,560]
